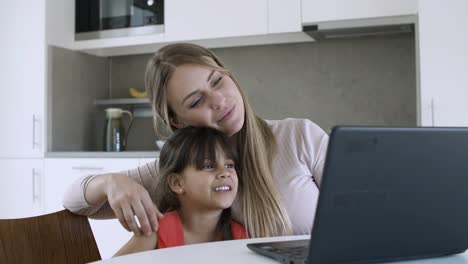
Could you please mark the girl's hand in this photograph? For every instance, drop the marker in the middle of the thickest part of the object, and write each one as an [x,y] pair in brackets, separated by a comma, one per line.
[128,199]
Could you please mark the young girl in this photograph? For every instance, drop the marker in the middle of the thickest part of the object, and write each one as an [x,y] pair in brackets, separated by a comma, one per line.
[197,186]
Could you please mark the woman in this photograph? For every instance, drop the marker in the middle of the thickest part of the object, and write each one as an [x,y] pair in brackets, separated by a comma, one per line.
[282,161]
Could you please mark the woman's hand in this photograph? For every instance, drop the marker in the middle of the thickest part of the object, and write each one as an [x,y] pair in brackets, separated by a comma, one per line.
[128,199]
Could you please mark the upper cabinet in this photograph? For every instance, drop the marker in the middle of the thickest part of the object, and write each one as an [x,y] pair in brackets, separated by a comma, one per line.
[443,63]
[314,11]
[284,17]
[207,19]
[23,79]
[224,23]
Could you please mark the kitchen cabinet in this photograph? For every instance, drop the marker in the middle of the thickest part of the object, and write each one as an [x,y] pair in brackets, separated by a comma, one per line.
[61,172]
[206,19]
[209,23]
[284,17]
[23,79]
[443,63]
[22,188]
[314,11]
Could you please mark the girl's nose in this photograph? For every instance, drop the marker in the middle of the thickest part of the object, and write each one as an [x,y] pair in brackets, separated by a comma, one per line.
[224,173]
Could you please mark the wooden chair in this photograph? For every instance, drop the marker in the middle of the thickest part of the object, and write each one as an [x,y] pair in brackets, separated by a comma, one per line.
[60,237]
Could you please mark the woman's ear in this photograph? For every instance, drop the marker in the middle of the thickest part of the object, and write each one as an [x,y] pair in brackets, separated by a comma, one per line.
[176,123]
[175,183]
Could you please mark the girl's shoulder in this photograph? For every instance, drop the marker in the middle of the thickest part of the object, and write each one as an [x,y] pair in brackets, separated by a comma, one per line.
[238,230]
[170,230]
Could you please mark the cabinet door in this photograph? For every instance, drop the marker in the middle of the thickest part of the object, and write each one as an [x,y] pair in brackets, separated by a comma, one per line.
[332,10]
[60,173]
[22,78]
[443,63]
[207,19]
[21,188]
[284,17]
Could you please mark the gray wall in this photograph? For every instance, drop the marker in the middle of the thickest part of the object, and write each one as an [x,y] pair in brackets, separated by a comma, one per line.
[363,81]
[75,81]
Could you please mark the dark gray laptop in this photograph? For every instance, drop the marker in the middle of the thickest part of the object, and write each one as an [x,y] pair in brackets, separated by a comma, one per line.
[387,194]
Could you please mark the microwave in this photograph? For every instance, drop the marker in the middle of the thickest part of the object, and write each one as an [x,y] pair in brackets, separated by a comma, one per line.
[96,19]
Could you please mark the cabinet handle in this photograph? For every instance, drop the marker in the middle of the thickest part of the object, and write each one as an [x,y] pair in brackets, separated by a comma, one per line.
[35,187]
[432,112]
[34,143]
[86,168]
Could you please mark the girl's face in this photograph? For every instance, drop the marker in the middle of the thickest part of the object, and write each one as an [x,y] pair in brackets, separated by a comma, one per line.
[202,97]
[213,187]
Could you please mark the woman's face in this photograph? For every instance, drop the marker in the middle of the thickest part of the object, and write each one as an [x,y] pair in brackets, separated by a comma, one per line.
[202,97]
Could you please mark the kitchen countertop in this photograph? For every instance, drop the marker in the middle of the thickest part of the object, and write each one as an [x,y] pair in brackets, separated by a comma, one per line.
[103,154]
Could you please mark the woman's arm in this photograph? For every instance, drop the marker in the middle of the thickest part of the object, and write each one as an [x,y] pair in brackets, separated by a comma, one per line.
[124,195]
[315,143]
[138,244]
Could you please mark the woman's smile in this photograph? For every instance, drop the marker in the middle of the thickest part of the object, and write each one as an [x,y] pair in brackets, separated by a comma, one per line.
[227,116]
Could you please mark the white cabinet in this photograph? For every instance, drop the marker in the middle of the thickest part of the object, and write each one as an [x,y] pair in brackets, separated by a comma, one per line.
[284,16]
[23,79]
[314,11]
[206,19]
[22,188]
[443,62]
[60,173]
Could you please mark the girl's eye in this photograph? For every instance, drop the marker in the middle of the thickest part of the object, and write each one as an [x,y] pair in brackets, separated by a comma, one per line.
[229,165]
[207,166]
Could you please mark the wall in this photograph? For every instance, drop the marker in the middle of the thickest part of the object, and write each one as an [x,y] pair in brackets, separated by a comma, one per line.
[363,81]
[75,81]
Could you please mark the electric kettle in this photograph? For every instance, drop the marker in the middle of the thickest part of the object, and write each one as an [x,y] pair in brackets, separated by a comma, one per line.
[115,133]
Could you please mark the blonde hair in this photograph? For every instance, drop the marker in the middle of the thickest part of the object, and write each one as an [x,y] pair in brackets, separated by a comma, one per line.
[262,207]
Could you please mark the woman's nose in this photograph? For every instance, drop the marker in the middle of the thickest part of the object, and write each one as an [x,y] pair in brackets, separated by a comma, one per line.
[218,100]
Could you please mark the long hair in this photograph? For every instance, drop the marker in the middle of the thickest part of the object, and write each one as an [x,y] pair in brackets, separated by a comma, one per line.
[263,209]
[191,147]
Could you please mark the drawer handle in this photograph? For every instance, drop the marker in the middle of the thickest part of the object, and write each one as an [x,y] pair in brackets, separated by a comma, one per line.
[34,122]
[36,196]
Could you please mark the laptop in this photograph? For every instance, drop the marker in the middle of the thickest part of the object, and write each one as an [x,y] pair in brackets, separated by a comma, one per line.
[387,194]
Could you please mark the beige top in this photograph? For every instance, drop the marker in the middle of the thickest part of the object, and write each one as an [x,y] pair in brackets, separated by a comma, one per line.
[297,168]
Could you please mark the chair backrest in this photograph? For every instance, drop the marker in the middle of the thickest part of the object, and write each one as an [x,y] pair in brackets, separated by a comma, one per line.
[60,237]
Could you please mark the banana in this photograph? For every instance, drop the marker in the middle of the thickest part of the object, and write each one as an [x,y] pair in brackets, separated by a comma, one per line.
[135,93]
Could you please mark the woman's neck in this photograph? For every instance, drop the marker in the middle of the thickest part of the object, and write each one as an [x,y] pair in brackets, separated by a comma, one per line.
[200,226]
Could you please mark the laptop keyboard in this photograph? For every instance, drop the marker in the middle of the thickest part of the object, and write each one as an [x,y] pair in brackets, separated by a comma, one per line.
[296,253]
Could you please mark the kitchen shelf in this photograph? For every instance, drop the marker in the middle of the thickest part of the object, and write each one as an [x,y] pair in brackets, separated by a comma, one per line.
[140,107]
[140,102]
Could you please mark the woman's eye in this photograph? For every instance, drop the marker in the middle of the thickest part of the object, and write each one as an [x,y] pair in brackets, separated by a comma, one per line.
[229,165]
[195,103]
[216,82]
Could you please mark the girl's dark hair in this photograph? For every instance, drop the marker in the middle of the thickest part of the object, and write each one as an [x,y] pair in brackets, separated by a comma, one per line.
[191,146]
